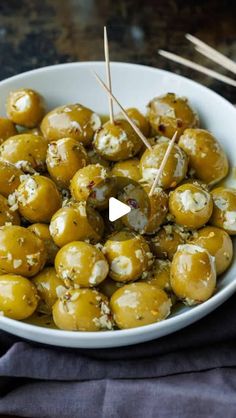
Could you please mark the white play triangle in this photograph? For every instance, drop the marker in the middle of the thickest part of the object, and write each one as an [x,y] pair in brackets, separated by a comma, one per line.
[117,209]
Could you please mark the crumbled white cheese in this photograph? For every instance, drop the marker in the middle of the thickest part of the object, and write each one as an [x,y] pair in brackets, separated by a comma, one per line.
[99,272]
[22,103]
[221,203]
[128,299]
[17,263]
[230,220]
[95,122]
[193,202]
[121,265]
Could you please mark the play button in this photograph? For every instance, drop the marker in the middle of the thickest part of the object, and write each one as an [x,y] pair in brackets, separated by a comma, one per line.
[117,209]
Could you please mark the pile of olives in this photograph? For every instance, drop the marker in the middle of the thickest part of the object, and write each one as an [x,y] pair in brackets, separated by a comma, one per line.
[62,258]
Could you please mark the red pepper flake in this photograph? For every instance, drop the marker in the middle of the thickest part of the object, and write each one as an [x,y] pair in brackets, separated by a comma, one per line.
[133,203]
[91,184]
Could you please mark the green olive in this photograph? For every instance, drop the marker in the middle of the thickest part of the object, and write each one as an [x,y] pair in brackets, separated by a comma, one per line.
[25,107]
[50,287]
[128,255]
[169,113]
[190,205]
[82,264]
[224,209]
[207,160]
[6,214]
[21,252]
[7,129]
[175,168]
[138,304]
[18,296]
[76,223]
[193,274]
[86,179]
[42,232]
[26,151]
[117,141]
[38,199]
[9,178]
[127,168]
[82,310]
[64,158]
[74,121]
[218,243]
[165,243]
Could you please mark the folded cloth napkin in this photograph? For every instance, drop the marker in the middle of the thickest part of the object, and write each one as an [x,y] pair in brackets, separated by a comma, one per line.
[191,373]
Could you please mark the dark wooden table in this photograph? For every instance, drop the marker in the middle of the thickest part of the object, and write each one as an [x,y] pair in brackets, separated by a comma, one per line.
[36,33]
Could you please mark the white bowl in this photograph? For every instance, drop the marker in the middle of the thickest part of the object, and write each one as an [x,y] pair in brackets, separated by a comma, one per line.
[133,85]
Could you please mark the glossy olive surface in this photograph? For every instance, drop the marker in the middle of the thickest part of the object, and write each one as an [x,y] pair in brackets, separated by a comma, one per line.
[49,287]
[82,310]
[117,141]
[175,168]
[128,255]
[26,151]
[138,304]
[25,107]
[169,113]
[64,158]
[42,231]
[207,160]
[18,296]
[166,241]
[74,121]
[21,252]
[190,205]
[7,129]
[218,243]
[38,199]
[193,274]
[224,209]
[82,264]
[76,223]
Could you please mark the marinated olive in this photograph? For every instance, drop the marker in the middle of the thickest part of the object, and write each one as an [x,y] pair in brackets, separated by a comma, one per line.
[224,209]
[95,158]
[82,310]
[80,263]
[165,243]
[9,178]
[159,275]
[109,286]
[128,255]
[148,212]
[169,113]
[138,304]
[128,168]
[21,252]
[74,121]
[138,118]
[38,199]
[6,214]
[218,243]
[50,287]
[175,168]
[193,274]
[25,107]
[86,179]
[26,151]
[64,158]
[117,141]
[190,205]
[207,160]
[7,129]
[76,223]
[18,296]
[42,231]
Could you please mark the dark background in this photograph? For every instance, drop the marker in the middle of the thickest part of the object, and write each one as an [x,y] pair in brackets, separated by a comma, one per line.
[35,33]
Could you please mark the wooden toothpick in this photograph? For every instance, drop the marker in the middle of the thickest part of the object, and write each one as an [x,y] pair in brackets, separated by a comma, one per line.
[135,128]
[197,67]
[163,163]
[108,73]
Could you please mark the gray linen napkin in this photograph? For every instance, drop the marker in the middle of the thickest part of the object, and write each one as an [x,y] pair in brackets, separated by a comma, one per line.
[188,374]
